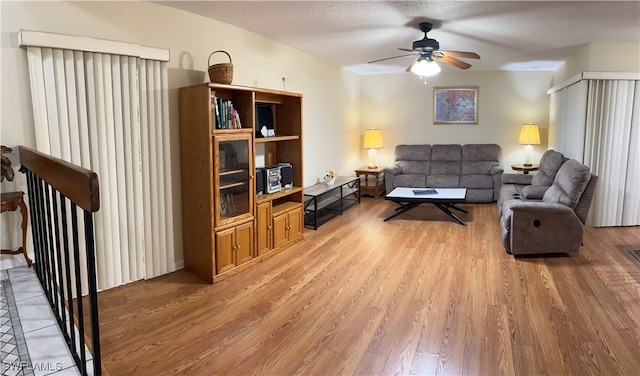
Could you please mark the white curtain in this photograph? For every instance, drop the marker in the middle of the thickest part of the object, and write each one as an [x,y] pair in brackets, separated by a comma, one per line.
[612,150]
[103,105]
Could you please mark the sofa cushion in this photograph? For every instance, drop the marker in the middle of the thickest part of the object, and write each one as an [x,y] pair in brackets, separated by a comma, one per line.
[443,181]
[413,152]
[446,153]
[477,167]
[445,160]
[445,168]
[570,182]
[481,152]
[414,167]
[550,163]
[410,180]
[476,181]
[510,191]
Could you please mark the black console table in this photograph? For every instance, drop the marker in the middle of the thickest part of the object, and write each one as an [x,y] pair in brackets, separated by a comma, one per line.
[323,202]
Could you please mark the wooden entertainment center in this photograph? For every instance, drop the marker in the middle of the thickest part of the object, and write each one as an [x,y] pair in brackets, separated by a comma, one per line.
[226,227]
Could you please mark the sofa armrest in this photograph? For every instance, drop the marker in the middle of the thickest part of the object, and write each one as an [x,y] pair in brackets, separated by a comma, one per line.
[542,227]
[389,175]
[495,170]
[496,176]
[520,179]
[395,170]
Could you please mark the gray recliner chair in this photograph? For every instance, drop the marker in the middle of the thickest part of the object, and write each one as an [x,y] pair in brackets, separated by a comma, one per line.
[553,224]
[531,187]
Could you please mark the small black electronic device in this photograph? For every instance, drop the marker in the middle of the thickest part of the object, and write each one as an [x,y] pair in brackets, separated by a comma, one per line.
[286,175]
[272,179]
[260,180]
[264,120]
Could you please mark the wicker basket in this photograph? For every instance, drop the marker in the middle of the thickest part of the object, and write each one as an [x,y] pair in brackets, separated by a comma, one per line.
[221,73]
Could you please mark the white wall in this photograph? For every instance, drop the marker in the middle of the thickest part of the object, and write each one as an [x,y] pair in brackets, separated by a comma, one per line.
[402,107]
[600,57]
[330,93]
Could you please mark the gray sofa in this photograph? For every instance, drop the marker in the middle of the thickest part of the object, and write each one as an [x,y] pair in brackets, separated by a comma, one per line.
[546,212]
[472,166]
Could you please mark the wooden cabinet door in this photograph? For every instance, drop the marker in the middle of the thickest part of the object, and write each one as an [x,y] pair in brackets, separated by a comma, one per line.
[280,230]
[244,243]
[263,228]
[296,223]
[234,187]
[225,244]
[287,226]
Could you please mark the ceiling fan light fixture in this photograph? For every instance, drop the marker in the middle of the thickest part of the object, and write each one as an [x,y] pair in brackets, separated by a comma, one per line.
[426,68]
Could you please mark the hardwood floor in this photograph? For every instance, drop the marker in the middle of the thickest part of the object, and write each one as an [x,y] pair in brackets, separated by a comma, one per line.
[416,295]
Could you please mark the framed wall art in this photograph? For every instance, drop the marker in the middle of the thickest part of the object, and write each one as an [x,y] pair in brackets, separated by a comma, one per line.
[455,105]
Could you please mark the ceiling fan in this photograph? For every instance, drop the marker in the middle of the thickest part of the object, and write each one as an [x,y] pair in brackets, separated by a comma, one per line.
[428,51]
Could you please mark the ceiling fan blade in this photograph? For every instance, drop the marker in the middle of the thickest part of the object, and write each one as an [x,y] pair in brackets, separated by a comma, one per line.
[406,49]
[412,63]
[468,55]
[453,61]
[388,58]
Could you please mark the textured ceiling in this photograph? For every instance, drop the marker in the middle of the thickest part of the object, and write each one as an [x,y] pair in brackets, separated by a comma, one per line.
[508,35]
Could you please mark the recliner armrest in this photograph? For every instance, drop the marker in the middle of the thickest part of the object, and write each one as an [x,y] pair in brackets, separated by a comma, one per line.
[534,192]
[542,227]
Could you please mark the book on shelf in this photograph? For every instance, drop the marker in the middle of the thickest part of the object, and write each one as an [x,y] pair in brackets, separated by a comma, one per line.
[224,114]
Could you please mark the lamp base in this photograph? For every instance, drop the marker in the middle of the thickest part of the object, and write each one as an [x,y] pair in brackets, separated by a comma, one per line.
[527,152]
[373,153]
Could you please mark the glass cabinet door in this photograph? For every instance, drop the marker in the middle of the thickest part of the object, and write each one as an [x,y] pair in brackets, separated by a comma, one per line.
[233,169]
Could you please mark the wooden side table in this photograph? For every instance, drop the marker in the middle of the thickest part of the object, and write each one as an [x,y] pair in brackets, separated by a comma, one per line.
[375,187]
[525,169]
[11,201]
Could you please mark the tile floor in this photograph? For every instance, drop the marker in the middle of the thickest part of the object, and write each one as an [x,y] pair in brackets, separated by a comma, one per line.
[31,341]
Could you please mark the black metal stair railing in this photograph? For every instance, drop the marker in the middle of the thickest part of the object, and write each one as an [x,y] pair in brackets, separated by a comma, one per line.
[65,262]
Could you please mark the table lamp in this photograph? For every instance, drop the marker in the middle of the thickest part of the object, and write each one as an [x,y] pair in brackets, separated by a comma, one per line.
[529,135]
[372,141]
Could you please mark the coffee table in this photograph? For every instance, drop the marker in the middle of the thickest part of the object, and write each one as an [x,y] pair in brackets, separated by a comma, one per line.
[444,199]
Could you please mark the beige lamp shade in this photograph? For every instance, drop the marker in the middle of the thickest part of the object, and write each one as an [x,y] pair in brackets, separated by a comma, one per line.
[529,135]
[373,141]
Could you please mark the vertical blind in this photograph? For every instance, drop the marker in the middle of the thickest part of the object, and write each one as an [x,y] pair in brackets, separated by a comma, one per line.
[104,105]
[597,121]
[612,150]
